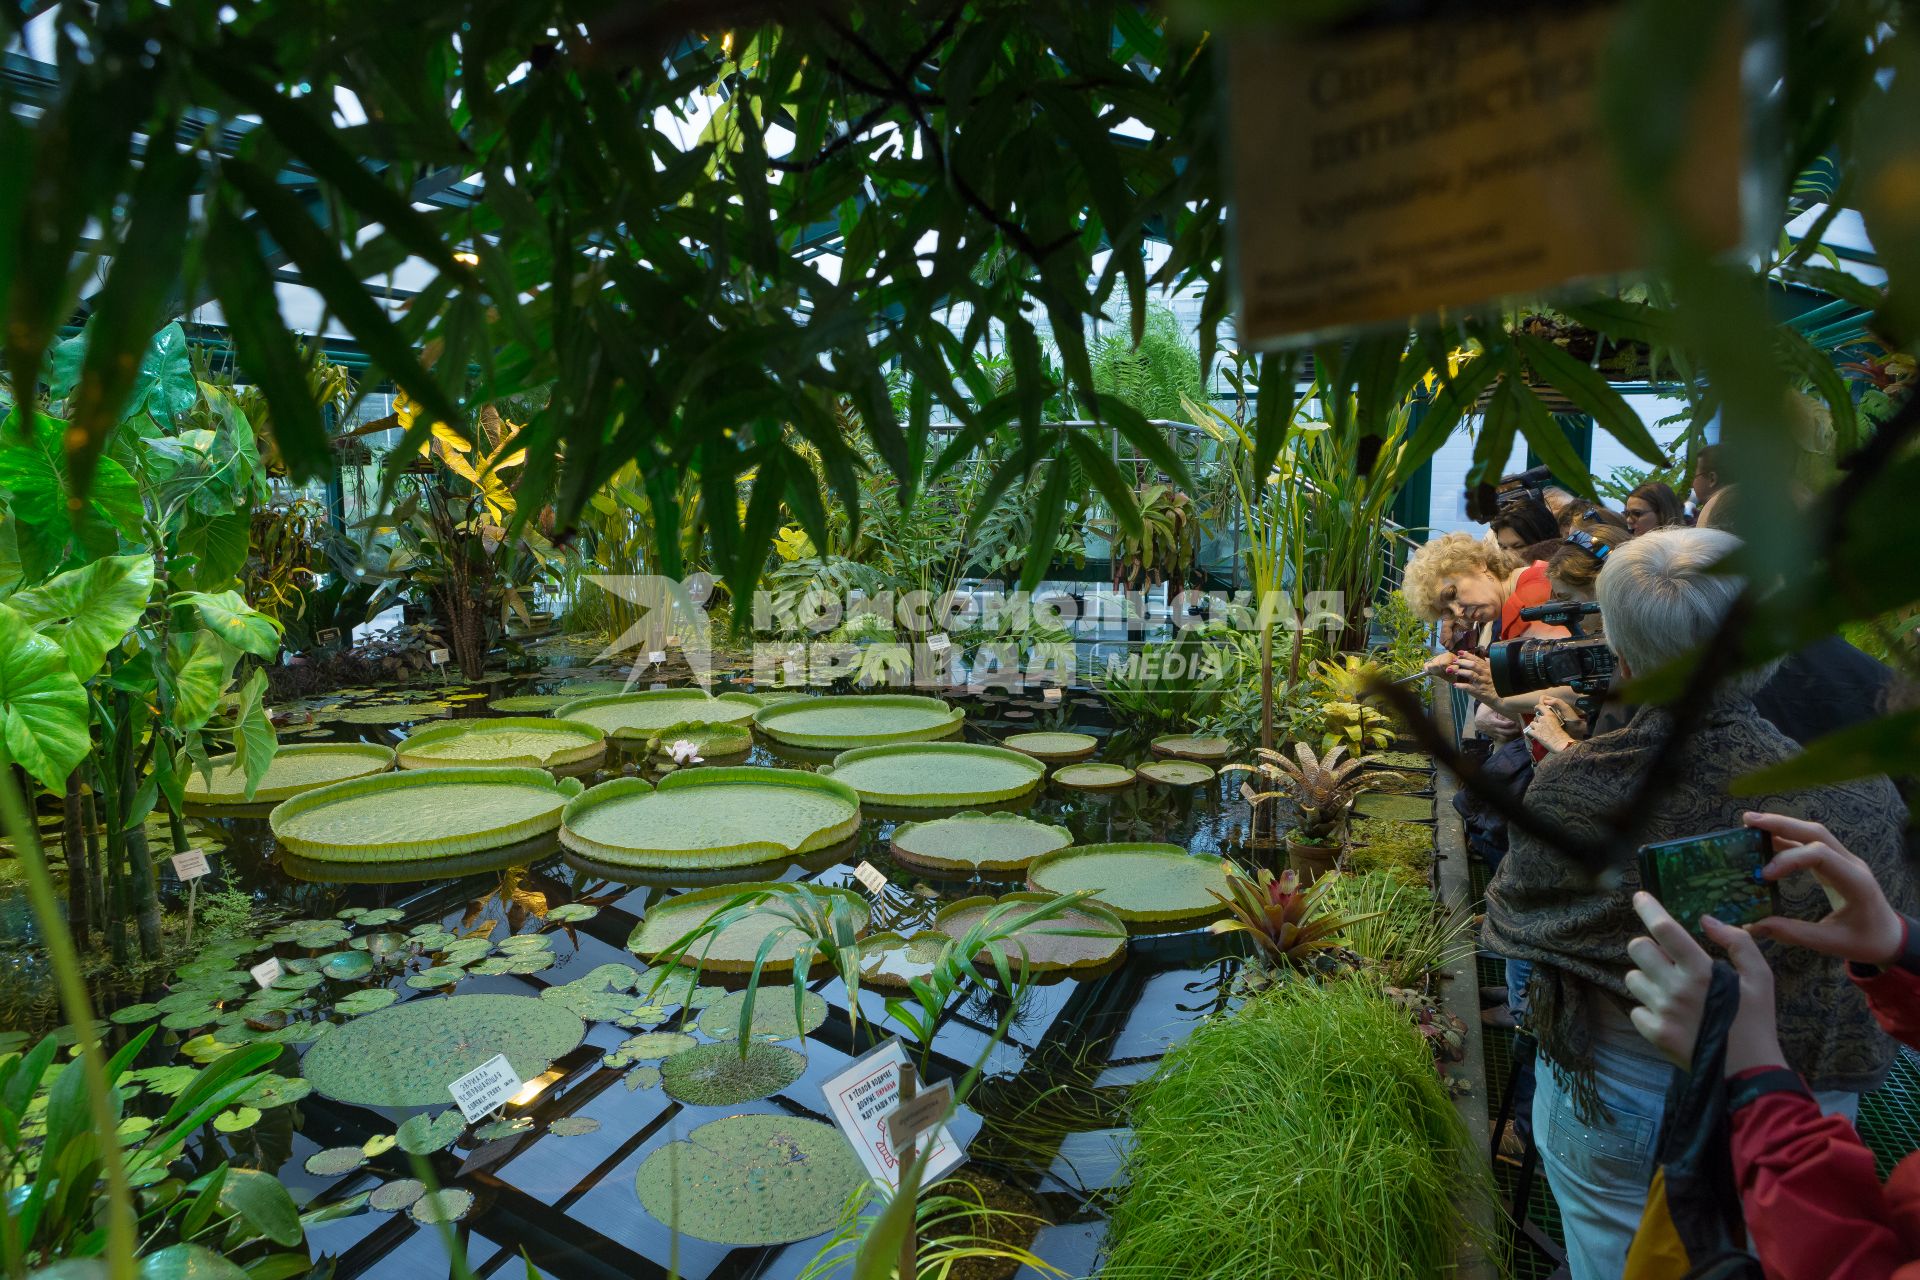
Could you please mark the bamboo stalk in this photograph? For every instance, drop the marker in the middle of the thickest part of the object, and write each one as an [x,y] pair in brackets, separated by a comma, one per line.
[90,825]
[73,842]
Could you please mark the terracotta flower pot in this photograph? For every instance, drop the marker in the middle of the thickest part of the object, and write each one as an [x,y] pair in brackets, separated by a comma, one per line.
[1311,861]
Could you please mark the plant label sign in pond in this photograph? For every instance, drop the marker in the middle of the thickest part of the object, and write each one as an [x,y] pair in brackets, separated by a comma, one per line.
[190,865]
[267,972]
[906,1122]
[940,643]
[439,657]
[871,877]
[862,1097]
[486,1088]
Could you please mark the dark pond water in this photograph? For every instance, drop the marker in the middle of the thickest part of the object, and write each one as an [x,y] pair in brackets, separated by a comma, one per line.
[1045,1122]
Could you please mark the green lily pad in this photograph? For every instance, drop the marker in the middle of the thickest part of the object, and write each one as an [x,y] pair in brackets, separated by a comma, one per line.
[394,1196]
[422,813]
[976,842]
[406,1056]
[751,1180]
[236,1119]
[423,1134]
[126,1015]
[1192,746]
[387,713]
[530,962]
[379,916]
[573,1126]
[293,770]
[736,946]
[644,715]
[335,1161]
[355,1003]
[1053,747]
[532,703]
[1177,773]
[572,913]
[719,1075]
[648,1046]
[494,1130]
[276,1091]
[1149,886]
[520,741]
[931,775]
[439,975]
[521,942]
[709,741]
[379,1144]
[891,960]
[298,981]
[710,818]
[1094,776]
[645,1077]
[448,1204]
[772,1016]
[859,720]
[1082,937]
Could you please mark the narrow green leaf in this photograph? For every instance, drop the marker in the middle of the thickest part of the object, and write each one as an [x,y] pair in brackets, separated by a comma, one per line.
[1594,395]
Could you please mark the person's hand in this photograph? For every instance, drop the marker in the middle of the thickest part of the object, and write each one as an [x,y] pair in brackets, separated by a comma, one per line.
[1547,729]
[1439,664]
[1565,712]
[1670,980]
[1862,927]
[1492,725]
[1471,672]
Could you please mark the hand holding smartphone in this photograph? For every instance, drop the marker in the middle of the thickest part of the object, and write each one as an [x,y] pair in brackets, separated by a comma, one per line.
[1717,874]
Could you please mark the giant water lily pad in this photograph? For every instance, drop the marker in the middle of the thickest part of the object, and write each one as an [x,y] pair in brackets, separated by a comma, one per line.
[1077,938]
[706,819]
[389,712]
[933,775]
[1150,886]
[724,1075]
[735,946]
[892,960]
[427,813]
[1094,776]
[532,703]
[709,741]
[751,1180]
[1177,773]
[407,1055]
[1054,746]
[644,715]
[977,842]
[293,770]
[858,720]
[1191,746]
[772,1016]
[523,741]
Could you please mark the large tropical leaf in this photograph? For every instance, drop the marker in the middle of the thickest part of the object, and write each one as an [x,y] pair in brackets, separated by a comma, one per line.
[56,524]
[254,742]
[43,709]
[88,611]
[227,615]
[197,673]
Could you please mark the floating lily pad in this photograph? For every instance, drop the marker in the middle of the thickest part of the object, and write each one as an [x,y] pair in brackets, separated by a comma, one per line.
[735,947]
[293,770]
[977,842]
[495,1130]
[751,1180]
[419,814]
[890,960]
[1082,937]
[448,1204]
[335,1161]
[389,712]
[572,913]
[379,1144]
[1191,746]
[406,1056]
[533,703]
[644,715]
[347,966]
[644,1077]
[505,741]
[859,720]
[423,1135]
[1177,773]
[648,1046]
[1094,777]
[1150,886]
[719,1075]
[439,975]
[128,1014]
[394,1196]
[573,1126]
[772,1016]
[276,1091]
[236,1119]
[931,775]
[709,818]
[1054,746]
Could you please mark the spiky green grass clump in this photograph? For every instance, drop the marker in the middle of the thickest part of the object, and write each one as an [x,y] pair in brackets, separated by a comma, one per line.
[1305,1136]
[1400,927]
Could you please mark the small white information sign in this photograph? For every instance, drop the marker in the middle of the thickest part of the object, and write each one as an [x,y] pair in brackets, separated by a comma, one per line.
[656,656]
[486,1088]
[657,686]
[1051,695]
[870,876]
[860,1098]
[940,643]
[267,972]
[439,657]
[190,865]
[906,1122]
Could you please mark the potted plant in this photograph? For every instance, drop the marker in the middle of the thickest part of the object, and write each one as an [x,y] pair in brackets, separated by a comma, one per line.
[1292,924]
[1323,788]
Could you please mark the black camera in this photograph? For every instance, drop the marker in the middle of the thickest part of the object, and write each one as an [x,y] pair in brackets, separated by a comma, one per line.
[1584,663]
[1523,486]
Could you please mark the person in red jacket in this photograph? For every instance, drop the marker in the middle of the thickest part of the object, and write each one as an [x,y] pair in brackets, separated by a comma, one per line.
[1814,1207]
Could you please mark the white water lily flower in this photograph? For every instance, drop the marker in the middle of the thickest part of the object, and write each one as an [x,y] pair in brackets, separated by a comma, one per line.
[684,752]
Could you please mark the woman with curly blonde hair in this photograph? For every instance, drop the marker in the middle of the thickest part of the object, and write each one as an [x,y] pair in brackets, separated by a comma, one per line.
[1472,583]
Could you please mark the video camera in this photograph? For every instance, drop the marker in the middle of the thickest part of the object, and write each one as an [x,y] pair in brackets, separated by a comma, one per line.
[1526,486]
[1582,662]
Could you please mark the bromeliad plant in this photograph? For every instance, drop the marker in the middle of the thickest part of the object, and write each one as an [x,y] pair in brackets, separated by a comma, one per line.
[1322,786]
[1291,927]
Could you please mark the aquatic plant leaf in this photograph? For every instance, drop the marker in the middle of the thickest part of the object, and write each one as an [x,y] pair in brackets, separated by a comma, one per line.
[380,915]
[379,1144]
[736,946]
[236,1119]
[890,960]
[521,942]
[420,814]
[494,1130]
[974,842]
[423,1134]
[276,1091]
[772,1016]
[572,913]
[1053,746]
[126,1015]
[858,720]
[573,1126]
[931,775]
[1094,776]
[751,1180]
[1191,746]
[347,966]
[522,741]
[532,703]
[406,1056]
[722,1075]
[355,1003]
[448,1204]
[1082,937]
[647,1077]
[389,713]
[1177,773]
[644,715]
[1149,886]
[704,819]
[391,1197]
[437,976]
[294,769]
[648,1046]
[334,1161]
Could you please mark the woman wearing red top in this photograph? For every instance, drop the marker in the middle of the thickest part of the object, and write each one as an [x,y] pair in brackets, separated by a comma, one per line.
[1813,1205]
[1473,583]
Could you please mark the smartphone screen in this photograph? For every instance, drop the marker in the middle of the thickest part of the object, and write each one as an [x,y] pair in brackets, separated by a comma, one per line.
[1716,874]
